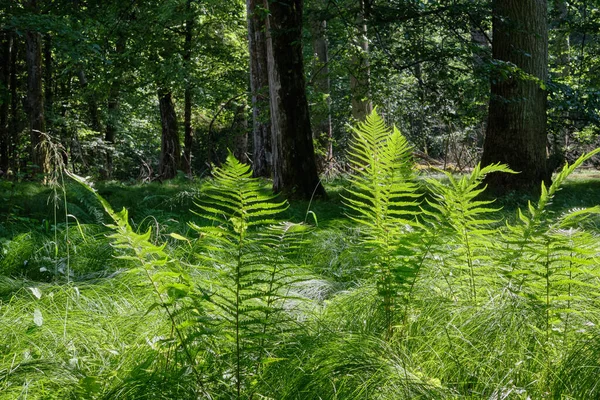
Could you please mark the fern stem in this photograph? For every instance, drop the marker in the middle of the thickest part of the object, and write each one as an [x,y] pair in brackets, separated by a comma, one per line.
[177,331]
[470,264]
[547,266]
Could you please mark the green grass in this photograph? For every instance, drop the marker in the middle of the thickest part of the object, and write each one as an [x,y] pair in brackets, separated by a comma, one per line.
[96,332]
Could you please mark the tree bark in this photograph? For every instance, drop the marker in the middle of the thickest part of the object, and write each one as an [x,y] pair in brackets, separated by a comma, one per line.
[188,133]
[259,88]
[170,150]
[294,165]
[516,130]
[240,132]
[561,45]
[13,129]
[35,98]
[322,128]
[360,73]
[113,106]
[48,81]
[6,46]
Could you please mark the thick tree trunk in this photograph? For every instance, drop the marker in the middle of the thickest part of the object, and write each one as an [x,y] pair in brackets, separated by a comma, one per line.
[6,46]
[259,88]
[35,98]
[360,72]
[170,150]
[321,112]
[294,165]
[188,133]
[516,131]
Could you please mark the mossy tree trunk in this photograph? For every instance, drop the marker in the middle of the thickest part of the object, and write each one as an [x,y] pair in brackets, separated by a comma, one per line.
[294,164]
[516,130]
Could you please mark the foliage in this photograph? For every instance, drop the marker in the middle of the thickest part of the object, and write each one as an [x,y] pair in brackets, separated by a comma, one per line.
[383,196]
[485,303]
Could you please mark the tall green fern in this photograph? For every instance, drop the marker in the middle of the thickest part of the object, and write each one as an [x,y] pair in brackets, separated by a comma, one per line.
[463,222]
[384,199]
[251,279]
[167,279]
[548,257]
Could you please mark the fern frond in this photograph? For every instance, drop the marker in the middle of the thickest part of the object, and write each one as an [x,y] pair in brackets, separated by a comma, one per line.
[384,198]
[251,277]
[461,221]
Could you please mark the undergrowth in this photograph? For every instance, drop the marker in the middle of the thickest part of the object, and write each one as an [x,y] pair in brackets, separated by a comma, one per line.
[401,288]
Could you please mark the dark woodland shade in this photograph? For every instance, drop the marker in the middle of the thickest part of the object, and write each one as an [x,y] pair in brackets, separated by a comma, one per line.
[294,164]
[516,132]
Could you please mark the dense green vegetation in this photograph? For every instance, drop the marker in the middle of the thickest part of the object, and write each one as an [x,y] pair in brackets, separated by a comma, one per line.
[403,284]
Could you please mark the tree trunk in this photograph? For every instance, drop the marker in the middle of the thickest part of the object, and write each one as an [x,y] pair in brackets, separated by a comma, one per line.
[294,165]
[188,133]
[259,88]
[170,149]
[13,128]
[35,98]
[113,107]
[360,80]
[480,44]
[6,45]
[48,81]
[90,99]
[240,133]
[561,44]
[516,130]
[322,129]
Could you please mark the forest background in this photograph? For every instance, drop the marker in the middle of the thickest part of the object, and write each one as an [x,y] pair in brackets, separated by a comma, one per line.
[141,90]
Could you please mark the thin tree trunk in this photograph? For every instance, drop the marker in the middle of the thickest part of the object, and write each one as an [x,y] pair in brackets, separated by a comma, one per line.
[259,88]
[240,131]
[6,45]
[188,133]
[13,129]
[90,99]
[322,129]
[170,150]
[480,44]
[516,130]
[48,81]
[360,70]
[294,165]
[35,98]
[113,107]
[561,45]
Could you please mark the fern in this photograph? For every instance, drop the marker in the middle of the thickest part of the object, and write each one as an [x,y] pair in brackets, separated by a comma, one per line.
[384,198]
[547,258]
[168,280]
[462,221]
[251,279]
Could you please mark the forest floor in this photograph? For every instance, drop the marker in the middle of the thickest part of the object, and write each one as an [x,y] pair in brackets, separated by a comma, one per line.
[75,324]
